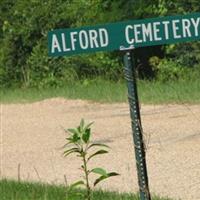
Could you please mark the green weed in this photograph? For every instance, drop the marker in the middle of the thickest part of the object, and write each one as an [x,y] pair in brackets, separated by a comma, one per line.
[79,143]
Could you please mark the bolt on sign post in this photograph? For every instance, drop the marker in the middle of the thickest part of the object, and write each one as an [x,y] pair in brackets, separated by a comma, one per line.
[126,36]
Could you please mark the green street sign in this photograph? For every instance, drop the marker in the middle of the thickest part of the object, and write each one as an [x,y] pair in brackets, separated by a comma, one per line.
[121,35]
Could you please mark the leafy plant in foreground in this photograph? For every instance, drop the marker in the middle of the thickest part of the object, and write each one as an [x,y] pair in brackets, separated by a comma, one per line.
[79,143]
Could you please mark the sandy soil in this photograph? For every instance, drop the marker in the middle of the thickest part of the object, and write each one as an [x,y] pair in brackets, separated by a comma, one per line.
[31,137]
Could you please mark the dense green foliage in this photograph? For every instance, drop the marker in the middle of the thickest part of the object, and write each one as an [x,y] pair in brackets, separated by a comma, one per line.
[23,39]
[34,191]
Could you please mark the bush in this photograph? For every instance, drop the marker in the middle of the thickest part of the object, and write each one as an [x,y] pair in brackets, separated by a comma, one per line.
[23,39]
[185,54]
[44,71]
[48,72]
[169,70]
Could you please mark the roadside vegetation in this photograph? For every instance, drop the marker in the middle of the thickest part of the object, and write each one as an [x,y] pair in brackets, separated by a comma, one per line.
[163,71]
[13,190]
[150,92]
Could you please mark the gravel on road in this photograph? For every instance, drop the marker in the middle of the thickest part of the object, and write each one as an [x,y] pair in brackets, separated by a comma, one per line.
[32,137]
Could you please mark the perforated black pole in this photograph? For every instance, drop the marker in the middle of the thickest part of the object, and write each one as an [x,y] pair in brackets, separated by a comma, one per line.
[130,76]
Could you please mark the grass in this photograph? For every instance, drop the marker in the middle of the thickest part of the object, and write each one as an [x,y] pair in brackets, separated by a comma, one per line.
[106,91]
[174,92]
[13,190]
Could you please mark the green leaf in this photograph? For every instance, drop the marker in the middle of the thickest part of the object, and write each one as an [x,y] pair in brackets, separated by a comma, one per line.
[79,130]
[70,151]
[74,131]
[98,180]
[69,139]
[78,183]
[65,129]
[82,125]
[99,171]
[67,154]
[101,178]
[65,145]
[76,138]
[88,125]
[98,144]
[112,174]
[86,135]
[97,153]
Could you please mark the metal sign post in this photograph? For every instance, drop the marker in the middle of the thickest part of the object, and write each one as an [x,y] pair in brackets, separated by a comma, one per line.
[129,67]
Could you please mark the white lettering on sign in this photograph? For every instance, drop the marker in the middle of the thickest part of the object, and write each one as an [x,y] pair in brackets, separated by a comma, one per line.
[156,29]
[73,39]
[103,36]
[147,32]
[175,28]
[64,43]
[93,38]
[186,28]
[137,33]
[166,29]
[196,25]
[161,31]
[127,35]
[83,39]
[55,44]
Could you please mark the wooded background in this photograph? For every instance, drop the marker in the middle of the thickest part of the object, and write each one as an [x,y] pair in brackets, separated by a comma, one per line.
[24,25]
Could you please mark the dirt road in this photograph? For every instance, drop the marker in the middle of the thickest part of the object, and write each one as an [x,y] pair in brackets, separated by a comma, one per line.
[31,137]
